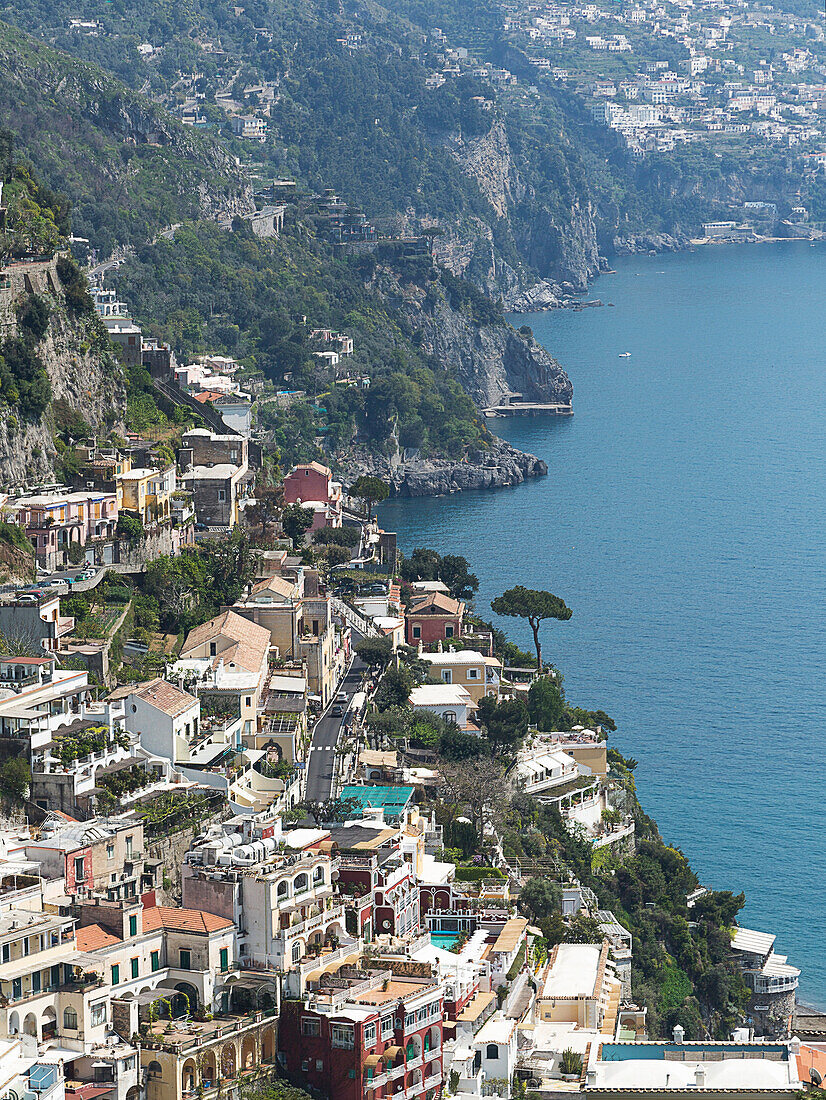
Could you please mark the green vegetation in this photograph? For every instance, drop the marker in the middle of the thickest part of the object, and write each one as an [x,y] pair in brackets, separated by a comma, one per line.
[535,606]
[452,570]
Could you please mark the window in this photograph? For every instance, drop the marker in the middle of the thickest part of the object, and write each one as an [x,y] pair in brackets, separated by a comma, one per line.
[409,1021]
[282,889]
[224,960]
[369,1035]
[296,952]
[492,1052]
[318,875]
[342,1036]
[115,974]
[133,926]
[305,1066]
[155,961]
[16,989]
[213,649]
[319,1065]
[300,884]
[6,952]
[135,967]
[249,701]
[129,847]
[80,872]
[387,1027]
[417,630]
[473,674]
[448,631]
[36,982]
[222,495]
[98,1013]
[310,1026]
[447,676]
[70,1019]
[450,716]
[110,851]
[186,959]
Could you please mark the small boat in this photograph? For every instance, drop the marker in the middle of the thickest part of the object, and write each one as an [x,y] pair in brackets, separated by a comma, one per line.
[624,355]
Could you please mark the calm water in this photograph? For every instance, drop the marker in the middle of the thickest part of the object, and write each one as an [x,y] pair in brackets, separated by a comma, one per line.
[684,521]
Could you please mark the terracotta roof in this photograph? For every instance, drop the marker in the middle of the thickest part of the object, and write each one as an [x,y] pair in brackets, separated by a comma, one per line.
[319,469]
[183,920]
[166,697]
[435,603]
[207,395]
[253,640]
[276,584]
[93,937]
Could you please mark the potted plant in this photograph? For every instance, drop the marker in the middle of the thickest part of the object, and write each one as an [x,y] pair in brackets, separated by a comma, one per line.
[570,1065]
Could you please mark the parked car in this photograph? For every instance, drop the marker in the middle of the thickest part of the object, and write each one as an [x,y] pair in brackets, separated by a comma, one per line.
[337,710]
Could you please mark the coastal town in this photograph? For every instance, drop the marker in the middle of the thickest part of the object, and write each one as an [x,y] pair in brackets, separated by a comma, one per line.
[281,806]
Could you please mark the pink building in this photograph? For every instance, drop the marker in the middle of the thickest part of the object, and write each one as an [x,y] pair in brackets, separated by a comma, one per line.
[311,485]
[56,520]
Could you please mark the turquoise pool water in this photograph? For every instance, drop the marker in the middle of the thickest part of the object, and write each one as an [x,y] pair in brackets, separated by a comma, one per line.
[445,940]
[619,1052]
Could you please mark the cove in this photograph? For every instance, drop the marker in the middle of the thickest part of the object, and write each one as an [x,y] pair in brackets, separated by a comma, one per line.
[684,520]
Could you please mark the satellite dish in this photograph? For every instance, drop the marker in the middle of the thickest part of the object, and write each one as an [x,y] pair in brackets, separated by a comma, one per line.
[815,1077]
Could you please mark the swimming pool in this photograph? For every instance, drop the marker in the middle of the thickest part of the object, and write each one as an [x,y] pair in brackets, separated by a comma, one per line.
[445,940]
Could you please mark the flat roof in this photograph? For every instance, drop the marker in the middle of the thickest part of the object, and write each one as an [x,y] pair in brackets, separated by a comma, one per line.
[513,931]
[572,971]
[438,695]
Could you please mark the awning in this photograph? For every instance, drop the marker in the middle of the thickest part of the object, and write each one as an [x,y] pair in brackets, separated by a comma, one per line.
[392,1053]
[250,982]
[372,1060]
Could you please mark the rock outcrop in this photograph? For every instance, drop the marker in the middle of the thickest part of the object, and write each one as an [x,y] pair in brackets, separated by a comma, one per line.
[83,374]
[412,476]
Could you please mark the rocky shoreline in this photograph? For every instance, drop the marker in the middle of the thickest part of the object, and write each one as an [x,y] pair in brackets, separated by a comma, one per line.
[410,475]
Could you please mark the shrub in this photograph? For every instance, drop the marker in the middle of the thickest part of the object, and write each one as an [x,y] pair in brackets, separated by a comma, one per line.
[33,316]
[129,527]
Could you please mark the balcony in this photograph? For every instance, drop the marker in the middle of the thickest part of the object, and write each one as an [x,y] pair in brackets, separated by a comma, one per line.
[433,1081]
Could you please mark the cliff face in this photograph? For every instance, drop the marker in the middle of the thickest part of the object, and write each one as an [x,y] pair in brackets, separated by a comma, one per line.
[487,356]
[526,241]
[84,378]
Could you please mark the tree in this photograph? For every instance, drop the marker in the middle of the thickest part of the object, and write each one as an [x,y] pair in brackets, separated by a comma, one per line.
[394,688]
[338,536]
[296,522]
[505,723]
[456,575]
[269,501]
[334,555]
[540,898]
[370,490]
[478,785]
[546,704]
[456,745]
[129,527]
[375,652]
[532,604]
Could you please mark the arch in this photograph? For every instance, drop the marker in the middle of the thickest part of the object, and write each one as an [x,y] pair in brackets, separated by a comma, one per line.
[133,1093]
[186,999]
[318,874]
[413,1049]
[435,1039]
[283,889]
[30,1024]
[229,1062]
[298,950]
[48,1025]
[209,1075]
[300,882]
[268,1045]
[189,1076]
[248,1052]
[14,1023]
[70,1018]
[154,1069]
[492,1052]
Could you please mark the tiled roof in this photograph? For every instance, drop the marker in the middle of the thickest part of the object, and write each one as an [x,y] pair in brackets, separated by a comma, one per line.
[93,937]
[253,640]
[436,603]
[279,585]
[183,920]
[166,697]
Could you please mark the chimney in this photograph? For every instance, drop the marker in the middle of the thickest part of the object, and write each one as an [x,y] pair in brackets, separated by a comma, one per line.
[700,1077]
[679,1033]
[794,1045]
[591,1079]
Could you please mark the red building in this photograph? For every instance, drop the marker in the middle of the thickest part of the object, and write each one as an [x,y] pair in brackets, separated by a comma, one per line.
[312,486]
[432,618]
[391,885]
[380,1036]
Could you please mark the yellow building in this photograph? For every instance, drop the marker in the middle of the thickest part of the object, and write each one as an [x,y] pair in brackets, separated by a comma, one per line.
[578,986]
[147,493]
[477,674]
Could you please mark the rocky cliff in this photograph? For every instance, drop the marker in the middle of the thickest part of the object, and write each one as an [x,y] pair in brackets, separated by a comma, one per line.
[409,475]
[84,377]
[472,339]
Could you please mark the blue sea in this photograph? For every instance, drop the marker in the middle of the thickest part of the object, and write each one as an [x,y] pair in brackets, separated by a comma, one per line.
[684,521]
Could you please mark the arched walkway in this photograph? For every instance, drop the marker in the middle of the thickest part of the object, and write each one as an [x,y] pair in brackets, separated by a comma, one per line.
[248,1059]
[228,1062]
[189,1076]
